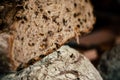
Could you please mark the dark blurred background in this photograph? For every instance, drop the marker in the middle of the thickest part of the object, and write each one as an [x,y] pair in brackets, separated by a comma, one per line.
[102,45]
[107,13]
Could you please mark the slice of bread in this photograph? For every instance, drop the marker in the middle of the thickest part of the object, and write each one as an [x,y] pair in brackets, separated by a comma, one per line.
[35,28]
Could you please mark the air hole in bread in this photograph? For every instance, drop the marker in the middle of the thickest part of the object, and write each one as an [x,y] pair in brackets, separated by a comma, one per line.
[22,22]
[81,22]
[26,6]
[75,5]
[79,19]
[22,38]
[54,19]
[36,13]
[54,49]
[67,9]
[84,20]
[18,18]
[58,52]
[59,30]
[50,33]
[41,10]
[45,17]
[41,34]
[89,14]
[71,56]
[25,18]
[78,26]
[43,46]
[69,27]
[34,53]
[76,14]
[57,45]
[45,39]
[31,44]
[49,12]
[64,22]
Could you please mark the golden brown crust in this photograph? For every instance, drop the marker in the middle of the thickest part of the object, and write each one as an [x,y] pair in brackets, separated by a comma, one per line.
[10,53]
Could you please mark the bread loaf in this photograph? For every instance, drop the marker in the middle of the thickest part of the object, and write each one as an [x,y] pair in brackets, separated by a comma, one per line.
[35,28]
[63,64]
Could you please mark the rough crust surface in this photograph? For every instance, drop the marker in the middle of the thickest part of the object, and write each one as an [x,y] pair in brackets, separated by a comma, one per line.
[63,64]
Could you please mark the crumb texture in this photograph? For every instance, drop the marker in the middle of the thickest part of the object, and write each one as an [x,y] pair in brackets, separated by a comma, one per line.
[39,27]
[47,24]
